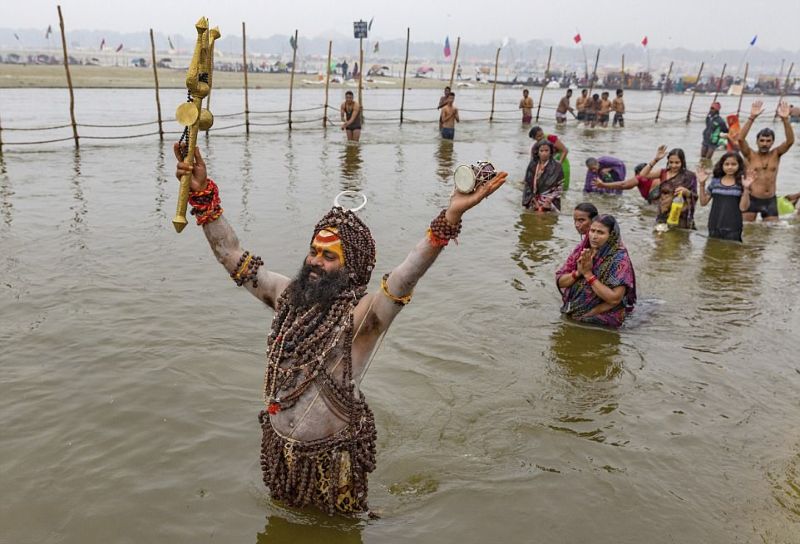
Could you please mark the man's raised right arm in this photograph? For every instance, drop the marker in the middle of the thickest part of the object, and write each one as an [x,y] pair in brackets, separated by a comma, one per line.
[225,244]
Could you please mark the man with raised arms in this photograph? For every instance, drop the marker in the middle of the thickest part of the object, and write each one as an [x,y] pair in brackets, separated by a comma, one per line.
[318,434]
[764,162]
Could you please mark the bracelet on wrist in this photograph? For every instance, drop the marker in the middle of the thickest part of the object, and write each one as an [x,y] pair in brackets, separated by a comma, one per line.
[206,203]
[441,231]
[590,280]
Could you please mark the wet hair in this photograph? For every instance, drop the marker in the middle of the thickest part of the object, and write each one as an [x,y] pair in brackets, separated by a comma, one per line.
[447,89]
[349,93]
[539,146]
[584,91]
[720,173]
[639,168]
[452,93]
[595,96]
[678,152]
[605,93]
[587,207]
[525,91]
[569,91]
[609,221]
[766,132]
[619,92]
[591,162]
[534,131]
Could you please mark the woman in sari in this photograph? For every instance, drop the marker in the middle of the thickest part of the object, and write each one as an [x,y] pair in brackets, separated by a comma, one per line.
[597,283]
[537,134]
[673,181]
[544,179]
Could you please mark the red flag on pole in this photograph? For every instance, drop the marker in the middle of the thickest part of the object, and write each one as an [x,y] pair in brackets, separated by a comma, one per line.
[644,41]
[577,37]
[119,48]
[447,47]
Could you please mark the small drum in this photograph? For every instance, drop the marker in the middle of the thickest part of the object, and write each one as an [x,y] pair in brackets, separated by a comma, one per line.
[467,178]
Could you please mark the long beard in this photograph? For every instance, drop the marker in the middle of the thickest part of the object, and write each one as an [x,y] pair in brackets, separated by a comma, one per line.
[305,292]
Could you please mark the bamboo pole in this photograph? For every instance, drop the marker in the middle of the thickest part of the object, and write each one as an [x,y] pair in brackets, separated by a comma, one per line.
[594,72]
[244,66]
[327,83]
[405,68]
[546,77]
[663,88]
[155,76]
[694,91]
[361,78]
[494,87]
[455,61]
[291,78]
[719,83]
[69,78]
[744,85]
[622,85]
[783,90]
[1,138]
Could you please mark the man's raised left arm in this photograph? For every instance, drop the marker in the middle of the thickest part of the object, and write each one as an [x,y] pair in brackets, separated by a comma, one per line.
[399,284]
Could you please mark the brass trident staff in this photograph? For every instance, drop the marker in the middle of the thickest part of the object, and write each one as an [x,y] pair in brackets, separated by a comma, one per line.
[191,114]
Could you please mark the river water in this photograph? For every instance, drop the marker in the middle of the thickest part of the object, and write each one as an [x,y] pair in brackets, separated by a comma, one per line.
[131,366]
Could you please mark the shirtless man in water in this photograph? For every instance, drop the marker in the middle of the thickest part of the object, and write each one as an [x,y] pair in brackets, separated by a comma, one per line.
[318,433]
[448,118]
[526,105]
[350,112]
[764,162]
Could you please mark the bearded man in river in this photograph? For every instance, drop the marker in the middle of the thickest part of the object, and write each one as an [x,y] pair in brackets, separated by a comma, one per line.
[765,162]
[318,433]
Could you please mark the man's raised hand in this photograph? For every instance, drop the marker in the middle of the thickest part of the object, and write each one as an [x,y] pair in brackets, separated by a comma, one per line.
[783,109]
[461,202]
[198,170]
[757,108]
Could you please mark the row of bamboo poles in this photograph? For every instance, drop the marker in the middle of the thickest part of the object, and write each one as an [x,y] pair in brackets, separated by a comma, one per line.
[592,79]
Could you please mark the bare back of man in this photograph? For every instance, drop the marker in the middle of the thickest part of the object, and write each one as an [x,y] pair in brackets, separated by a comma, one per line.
[764,162]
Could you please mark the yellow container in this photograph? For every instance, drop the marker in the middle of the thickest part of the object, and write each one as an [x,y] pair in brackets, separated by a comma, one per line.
[675,211]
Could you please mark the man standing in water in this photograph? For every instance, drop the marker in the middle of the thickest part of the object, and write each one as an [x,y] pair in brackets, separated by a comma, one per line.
[350,111]
[765,162]
[563,108]
[318,433]
[618,107]
[448,118]
[442,101]
[526,105]
[581,103]
[712,135]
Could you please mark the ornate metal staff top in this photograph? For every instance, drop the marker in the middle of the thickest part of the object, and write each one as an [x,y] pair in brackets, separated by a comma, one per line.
[191,114]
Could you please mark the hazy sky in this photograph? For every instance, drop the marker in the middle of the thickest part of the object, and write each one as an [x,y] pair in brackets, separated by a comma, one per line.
[676,23]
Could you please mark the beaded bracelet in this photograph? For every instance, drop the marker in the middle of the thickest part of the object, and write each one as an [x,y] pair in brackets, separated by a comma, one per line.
[247,269]
[206,204]
[441,232]
[400,301]
[592,279]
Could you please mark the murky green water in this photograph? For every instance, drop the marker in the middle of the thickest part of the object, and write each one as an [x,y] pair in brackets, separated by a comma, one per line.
[131,366]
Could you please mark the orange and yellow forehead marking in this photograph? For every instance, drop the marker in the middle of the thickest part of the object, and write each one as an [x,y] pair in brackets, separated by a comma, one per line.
[328,240]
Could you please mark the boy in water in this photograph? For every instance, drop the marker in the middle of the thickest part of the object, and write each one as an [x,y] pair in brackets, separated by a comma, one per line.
[605,109]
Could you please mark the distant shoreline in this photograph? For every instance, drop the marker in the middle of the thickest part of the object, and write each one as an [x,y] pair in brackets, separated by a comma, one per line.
[36,76]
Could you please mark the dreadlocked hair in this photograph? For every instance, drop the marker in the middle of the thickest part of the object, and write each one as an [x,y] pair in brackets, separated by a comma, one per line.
[357,242]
